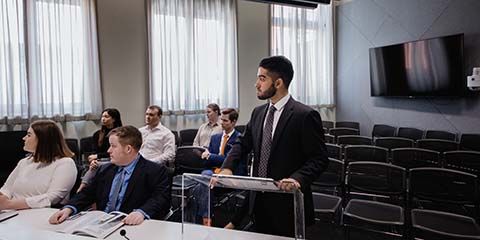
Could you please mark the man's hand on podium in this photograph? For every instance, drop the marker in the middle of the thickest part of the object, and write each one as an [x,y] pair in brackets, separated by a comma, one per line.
[288,184]
[224,171]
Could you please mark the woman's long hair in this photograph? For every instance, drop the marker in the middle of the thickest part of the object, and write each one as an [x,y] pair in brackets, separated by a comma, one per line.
[51,144]
[117,122]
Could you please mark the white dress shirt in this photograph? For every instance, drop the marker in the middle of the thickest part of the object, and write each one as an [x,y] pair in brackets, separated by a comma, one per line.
[158,144]
[41,184]
[205,133]
[280,105]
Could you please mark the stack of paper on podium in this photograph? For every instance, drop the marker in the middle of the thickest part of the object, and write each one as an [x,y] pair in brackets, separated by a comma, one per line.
[214,192]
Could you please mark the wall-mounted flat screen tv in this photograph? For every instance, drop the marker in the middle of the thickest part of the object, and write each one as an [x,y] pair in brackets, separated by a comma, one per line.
[430,67]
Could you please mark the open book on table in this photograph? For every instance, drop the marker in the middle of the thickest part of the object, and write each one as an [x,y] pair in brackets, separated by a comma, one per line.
[96,224]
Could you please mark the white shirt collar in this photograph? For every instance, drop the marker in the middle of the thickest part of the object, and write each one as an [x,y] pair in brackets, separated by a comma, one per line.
[230,134]
[159,126]
[281,103]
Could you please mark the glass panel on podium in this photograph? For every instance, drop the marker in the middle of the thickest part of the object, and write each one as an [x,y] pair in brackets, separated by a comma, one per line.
[217,206]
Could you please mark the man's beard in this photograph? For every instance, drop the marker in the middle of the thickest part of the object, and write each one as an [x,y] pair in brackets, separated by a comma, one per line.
[270,92]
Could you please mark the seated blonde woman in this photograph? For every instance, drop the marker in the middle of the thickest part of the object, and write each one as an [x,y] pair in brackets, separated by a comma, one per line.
[46,176]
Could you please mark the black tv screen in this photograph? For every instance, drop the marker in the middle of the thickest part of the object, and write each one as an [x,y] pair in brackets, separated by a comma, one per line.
[431,67]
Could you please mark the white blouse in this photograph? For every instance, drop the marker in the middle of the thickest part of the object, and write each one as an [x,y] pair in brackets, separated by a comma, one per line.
[40,184]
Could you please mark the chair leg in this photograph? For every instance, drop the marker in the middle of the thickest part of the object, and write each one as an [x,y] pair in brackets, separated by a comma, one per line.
[346,232]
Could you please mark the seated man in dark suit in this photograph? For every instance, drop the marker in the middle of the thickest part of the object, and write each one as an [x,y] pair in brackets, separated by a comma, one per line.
[130,183]
[220,144]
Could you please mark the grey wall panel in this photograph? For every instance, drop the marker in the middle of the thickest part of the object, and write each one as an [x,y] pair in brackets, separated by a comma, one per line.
[362,24]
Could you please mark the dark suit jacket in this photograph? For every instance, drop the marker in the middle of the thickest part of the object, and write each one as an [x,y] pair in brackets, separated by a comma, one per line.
[148,189]
[215,159]
[298,151]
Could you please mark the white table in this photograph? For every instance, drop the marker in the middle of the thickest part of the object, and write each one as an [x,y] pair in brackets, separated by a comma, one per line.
[33,224]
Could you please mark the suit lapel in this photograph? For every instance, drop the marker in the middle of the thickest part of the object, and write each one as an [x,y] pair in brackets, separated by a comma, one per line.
[282,122]
[257,131]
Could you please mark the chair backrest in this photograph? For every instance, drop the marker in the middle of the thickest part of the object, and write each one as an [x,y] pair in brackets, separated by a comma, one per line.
[72,144]
[334,151]
[394,142]
[177,138]
[382,130]
[86,147]
[437,145]
[470,142]
[328,124]
[240,128]
[466,161]
[189,159]
[354,140]
[415,157]
[335,132]
[347,124]
[365,153]
[438,134]
[329,138]
[442,186]
[11,147]
[187,136]
[376,178]
[411,133]
[332,176]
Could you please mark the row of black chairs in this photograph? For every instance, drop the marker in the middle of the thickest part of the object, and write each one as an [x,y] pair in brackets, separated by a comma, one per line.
[439,145]
[327,125]
[408,157]
[334,129]
[434,203]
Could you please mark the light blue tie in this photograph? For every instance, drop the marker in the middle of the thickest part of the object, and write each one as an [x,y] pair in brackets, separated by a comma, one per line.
[116,187]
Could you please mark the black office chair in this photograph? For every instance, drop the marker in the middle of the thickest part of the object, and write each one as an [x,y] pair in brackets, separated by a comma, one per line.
[347,124]
[328,124]
[11,147]
[376,194]
[365,153]
[86,148]
[411,133]
[327,208]
[353,140]
[394,142]
[409,158]
[437,145]
[438,134]
[466,161]
[72,144]
[187,136]
[177,138]
[331,180]
[188,159]
[335,132]
[383,130]
[470,142]
[329,138]
[334,151]
[440,201]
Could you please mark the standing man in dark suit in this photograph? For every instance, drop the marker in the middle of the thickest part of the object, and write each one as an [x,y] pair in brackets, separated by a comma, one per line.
[130,184]
[286,137]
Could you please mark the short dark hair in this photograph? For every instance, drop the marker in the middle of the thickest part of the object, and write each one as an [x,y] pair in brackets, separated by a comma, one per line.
[232,114]
[280,66]
[214,108]
[158,108]
[50,142]
[128,135]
